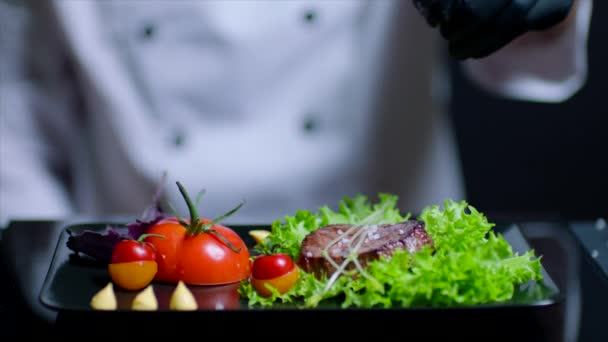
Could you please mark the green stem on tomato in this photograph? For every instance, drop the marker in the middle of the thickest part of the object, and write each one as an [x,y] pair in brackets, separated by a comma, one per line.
[221,237]
[207,226]
[196,226]
[143,236]
[191,208]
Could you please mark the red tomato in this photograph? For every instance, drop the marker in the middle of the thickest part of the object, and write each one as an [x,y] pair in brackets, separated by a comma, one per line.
[201,258]
[197,251]
[271,266]
[277,271]
[132,250]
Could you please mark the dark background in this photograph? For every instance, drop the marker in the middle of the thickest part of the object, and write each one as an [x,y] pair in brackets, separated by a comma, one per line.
[538,160]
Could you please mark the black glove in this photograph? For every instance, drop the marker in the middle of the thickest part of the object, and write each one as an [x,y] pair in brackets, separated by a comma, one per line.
[478,28]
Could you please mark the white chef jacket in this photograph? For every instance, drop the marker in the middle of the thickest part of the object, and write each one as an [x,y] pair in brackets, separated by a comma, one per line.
[286,105]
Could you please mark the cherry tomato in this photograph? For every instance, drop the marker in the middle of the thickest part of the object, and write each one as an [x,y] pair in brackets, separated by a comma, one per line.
[199,251]
[133,263]
[271,266]
[276,270]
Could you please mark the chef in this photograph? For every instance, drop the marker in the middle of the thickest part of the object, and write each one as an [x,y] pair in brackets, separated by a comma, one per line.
[285,105]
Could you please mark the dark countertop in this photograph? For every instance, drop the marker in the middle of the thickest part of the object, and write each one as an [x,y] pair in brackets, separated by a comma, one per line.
[27,247]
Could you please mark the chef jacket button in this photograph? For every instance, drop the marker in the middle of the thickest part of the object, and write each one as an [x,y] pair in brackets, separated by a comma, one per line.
[178,139]
[310,16]
[311,124]
[148,31]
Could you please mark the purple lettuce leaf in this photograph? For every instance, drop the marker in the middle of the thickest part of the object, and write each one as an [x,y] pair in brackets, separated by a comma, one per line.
[99,245]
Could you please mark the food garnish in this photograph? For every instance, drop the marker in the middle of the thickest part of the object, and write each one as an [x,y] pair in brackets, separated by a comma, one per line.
[273,272]
[145,300]
[182,299]
[105,299]
[463,261]
[198,250]
[133,263]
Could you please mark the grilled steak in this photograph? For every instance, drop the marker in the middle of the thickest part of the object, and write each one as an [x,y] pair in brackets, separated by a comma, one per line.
[378,241]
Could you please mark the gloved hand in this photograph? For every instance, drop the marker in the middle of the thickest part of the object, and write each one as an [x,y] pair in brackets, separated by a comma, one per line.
[478,28]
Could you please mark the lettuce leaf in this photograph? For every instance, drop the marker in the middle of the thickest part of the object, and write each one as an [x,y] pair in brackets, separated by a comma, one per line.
[470,263]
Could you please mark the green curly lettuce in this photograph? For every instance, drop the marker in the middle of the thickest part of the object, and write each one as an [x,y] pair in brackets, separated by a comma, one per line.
[469,264]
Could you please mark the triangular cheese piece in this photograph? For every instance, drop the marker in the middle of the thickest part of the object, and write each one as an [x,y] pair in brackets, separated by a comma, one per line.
[105,299]
[145,300]
[182,298]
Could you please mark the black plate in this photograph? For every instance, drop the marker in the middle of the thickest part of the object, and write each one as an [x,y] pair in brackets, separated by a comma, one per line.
[72,281]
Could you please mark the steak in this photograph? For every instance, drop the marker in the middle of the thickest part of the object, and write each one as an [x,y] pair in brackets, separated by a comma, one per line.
[378,241]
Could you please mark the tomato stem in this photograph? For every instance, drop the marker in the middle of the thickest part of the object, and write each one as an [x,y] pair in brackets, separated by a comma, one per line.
[206,226]
[196,226]
[194,219]
[143,236]
[221,237]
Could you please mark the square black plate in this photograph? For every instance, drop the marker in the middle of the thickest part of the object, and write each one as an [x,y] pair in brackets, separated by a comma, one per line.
[72,281]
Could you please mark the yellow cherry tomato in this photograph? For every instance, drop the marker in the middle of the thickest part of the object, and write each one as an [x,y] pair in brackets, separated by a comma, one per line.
[134,275]
[282,283]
